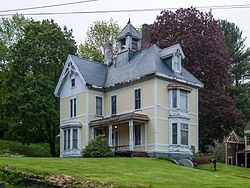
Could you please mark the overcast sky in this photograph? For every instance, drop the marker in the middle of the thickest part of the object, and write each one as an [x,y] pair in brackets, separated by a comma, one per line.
[80,22]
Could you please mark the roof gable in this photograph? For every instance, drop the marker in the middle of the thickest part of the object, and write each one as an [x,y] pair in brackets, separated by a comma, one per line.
[69,67]
[129,30]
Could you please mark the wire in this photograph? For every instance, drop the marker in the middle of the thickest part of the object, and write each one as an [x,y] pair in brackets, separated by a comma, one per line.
[130,10]
[47,6]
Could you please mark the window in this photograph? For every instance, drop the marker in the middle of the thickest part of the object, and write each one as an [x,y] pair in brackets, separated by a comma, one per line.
[177,62]
[248,140]
[174,133]
[134,44]
[137,134]
[71,138]
[68,139]
[174,98]
[73,107]
[137,99]
[179,99]
[98,106]
[184,100]
[64,139]
[184,134]
[73,82]
[113,105]
[123,44]
[75,139]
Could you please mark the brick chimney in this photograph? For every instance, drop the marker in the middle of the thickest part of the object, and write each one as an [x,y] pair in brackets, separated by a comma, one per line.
[108,54]
[146,36]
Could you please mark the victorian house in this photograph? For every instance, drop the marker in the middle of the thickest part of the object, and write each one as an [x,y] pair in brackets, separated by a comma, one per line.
[143,100]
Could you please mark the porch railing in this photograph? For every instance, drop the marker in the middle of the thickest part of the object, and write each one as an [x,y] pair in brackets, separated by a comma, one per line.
[121,148]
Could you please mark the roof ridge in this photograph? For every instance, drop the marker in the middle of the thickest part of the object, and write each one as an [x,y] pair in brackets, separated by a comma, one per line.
[87,60]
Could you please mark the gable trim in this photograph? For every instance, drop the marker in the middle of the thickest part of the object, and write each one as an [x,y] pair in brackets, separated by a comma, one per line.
[64,74]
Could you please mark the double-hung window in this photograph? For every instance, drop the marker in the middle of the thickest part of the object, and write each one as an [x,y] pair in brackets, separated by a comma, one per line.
[184,100]
[174,133]
[180,133]
[75,138]
[73,107]
[138,135]
[179,99]
[184,134]
[98,106]
[113,105]
[70,138]
[137,99]
[174,98]
[248,140]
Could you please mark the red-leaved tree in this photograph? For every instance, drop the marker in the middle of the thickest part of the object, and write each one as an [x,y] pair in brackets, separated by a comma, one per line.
[201,39]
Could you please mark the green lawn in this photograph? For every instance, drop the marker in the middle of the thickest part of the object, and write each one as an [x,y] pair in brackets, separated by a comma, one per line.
[126,172]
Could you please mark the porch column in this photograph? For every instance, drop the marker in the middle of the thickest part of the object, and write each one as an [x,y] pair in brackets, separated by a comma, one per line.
[92,133]
[131,135]
[245,160]
[110,135]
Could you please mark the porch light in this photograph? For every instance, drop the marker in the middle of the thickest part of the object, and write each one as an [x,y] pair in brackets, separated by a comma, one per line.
[115,127]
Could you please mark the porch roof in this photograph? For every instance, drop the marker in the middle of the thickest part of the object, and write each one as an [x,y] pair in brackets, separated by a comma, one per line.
[119,118]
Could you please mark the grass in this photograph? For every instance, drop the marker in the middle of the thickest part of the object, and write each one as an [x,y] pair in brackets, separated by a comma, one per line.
[127,172]
[31,150]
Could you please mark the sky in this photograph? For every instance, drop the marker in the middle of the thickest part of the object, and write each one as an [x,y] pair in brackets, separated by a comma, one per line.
[81,22]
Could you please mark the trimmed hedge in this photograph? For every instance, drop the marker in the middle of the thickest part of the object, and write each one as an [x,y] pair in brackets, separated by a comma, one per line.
[8,147]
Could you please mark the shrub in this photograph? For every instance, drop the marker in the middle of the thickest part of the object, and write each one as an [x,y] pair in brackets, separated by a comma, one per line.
[218,152]
[97,148]
[29,150]
[203,158]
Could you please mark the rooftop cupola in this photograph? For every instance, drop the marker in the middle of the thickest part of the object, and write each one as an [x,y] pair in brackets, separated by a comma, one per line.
[129,39]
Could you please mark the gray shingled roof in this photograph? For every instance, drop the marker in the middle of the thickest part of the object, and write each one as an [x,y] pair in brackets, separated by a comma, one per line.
[129,29]
[93,73]
[142,64]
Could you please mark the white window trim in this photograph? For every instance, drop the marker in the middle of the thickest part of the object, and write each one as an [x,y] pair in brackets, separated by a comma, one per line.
[140,133]
[71,138]
[134,98]
[173,62]
[72,98]
[117,112]
[178,100]
[179,122]
[102,105]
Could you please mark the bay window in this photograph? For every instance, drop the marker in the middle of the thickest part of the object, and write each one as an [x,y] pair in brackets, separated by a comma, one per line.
[179,99]
[179,133]
[71,138]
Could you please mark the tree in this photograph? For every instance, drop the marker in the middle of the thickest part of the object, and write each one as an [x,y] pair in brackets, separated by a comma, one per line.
[239,56]
[12,29]
[37,61]
[200,37]
[240,62]
[99,34]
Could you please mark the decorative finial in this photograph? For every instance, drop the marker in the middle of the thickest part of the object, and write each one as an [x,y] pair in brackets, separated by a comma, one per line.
[128,20]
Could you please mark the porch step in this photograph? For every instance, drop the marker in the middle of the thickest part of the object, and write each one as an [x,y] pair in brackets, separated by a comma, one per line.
[131,154]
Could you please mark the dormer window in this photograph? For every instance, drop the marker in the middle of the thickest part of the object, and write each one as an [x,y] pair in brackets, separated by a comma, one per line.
[123,44]
[134,44]
[177,62]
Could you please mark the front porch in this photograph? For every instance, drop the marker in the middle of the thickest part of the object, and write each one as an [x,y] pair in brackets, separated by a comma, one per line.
[127,132]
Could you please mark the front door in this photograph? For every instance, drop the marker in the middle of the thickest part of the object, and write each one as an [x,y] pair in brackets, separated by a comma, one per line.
[115,138]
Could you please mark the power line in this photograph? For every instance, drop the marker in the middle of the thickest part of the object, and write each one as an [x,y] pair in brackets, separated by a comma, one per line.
[47,6]
[131,10]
